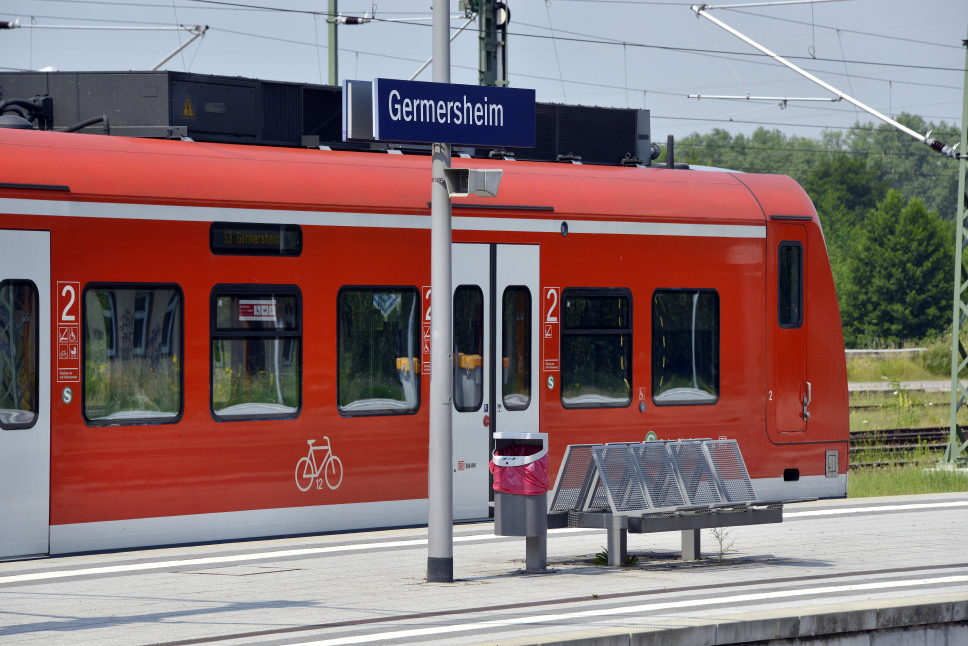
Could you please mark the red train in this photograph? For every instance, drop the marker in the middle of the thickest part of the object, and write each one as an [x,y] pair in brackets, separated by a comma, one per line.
[211,341]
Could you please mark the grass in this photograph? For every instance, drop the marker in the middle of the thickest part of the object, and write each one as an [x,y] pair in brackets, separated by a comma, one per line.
[933,363]
[899,408]
[905,480]
[904,367]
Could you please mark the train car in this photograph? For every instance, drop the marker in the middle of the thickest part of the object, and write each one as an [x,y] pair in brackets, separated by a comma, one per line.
[206,341]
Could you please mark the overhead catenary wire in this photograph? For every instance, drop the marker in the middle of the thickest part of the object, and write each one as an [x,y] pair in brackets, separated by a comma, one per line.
[851,31]
[701,10]
[17,25]
[575,85]
[773,3]
[583,39]
[585,83]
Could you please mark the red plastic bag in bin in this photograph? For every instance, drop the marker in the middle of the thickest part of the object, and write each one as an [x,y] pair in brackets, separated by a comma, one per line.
[527,479]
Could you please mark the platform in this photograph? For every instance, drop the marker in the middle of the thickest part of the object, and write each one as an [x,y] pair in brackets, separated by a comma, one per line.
[845,565]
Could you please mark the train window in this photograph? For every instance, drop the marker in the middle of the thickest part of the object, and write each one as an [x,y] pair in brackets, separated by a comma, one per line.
[142,304]
[169,333]
[106,303]
[790,284]
[596,348]
[685,346]
[132,354]
[378,349]
[256,352]
[516,357]
[468,348]
[19,360]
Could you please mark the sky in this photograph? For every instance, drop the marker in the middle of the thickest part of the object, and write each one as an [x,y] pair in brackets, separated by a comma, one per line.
[893,55]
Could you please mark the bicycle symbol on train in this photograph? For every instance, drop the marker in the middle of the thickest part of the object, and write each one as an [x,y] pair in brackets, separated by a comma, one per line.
[307,469]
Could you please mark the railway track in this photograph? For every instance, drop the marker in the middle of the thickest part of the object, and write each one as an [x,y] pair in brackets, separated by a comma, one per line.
[893,446]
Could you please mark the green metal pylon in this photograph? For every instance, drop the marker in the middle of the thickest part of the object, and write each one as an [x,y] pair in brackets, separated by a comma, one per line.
[955,453]
[492,18]
[333,43]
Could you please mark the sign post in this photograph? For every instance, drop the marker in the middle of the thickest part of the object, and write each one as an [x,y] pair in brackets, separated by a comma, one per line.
[440,477]
[438,112]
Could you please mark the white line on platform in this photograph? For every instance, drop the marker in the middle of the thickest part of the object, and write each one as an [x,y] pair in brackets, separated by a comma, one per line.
[862,510]
[312,551]
[691,604]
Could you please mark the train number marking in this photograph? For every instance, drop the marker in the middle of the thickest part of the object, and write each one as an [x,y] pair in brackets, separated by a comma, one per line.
[552,295]
[66,315]
[68,332]
[425,358]
[549,347]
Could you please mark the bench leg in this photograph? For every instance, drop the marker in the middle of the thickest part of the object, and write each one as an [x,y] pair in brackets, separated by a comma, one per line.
[536,548]
[690,545]
[617,540]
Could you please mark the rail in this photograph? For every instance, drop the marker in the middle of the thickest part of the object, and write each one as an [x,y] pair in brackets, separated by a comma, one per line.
[895,446]
[885,351]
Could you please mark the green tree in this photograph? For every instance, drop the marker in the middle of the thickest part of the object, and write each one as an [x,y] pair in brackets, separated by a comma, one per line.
[765,151]
[844,190]
[898,274]
[897,159]
[912,168]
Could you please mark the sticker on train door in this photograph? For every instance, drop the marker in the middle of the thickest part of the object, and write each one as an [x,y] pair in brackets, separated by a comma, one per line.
[550,350]
[68,331]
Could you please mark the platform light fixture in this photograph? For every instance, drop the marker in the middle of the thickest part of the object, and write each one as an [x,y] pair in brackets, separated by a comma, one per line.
[462,182]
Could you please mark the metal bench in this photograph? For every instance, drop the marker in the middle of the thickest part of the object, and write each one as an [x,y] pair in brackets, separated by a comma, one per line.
[661,486]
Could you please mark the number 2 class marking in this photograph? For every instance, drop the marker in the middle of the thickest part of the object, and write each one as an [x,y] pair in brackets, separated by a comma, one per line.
[552,296]
[68,289]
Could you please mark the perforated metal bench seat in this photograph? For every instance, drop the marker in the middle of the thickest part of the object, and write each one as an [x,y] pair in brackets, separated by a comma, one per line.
[682,485]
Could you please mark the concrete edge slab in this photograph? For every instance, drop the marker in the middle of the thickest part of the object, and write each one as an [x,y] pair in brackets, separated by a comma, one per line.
[777,625]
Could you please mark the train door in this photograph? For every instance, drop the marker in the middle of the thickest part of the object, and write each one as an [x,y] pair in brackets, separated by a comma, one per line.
[790,391]
[24,393]
[495,365]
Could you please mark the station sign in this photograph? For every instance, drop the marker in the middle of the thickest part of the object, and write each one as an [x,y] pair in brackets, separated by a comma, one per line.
[472,115]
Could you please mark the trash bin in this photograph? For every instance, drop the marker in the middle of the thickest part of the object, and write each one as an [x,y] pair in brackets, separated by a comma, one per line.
[520,469]
[521,483]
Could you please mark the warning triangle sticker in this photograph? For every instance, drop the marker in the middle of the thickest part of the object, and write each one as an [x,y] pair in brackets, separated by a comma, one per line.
[188,112]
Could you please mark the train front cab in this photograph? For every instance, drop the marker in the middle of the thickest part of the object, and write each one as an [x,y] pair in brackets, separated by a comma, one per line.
[806,395]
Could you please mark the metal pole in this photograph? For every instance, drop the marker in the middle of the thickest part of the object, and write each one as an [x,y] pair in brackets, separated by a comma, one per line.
[199,32]
[431,59]
[440,476]
[702,11]
[333,43]
[492,69]
[955,452]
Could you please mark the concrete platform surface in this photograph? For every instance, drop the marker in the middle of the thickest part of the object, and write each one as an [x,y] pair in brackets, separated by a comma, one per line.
[843,567]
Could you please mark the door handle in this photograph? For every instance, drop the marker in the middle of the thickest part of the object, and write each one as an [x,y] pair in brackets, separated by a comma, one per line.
[806,402]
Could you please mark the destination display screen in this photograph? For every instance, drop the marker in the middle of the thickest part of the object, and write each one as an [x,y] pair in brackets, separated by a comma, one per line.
[230,238]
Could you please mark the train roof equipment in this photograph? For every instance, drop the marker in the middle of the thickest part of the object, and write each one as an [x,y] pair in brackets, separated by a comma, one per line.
[209,108]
